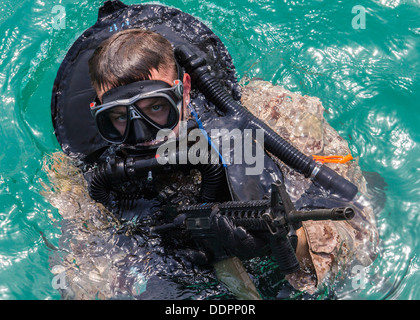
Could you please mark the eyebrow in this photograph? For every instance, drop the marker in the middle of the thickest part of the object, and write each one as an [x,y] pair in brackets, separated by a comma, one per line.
[151,102]
[116,112]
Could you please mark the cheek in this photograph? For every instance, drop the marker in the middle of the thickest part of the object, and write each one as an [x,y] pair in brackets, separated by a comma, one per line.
[162,119]
[184,110]
[186,98]
[119,126]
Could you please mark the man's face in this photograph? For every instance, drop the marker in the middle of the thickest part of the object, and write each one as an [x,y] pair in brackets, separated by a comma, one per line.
[157,109]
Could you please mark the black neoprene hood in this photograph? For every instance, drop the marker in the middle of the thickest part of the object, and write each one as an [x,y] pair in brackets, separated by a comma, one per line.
[72,91]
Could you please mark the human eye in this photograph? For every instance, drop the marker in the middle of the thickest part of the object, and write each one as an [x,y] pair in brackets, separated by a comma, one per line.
[118,116]
[156,107]
[122,117]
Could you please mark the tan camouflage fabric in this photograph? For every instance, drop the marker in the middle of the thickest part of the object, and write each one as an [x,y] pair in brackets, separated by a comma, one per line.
[332,245]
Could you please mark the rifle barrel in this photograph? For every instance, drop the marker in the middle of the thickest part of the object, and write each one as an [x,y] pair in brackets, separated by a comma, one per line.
[342,213]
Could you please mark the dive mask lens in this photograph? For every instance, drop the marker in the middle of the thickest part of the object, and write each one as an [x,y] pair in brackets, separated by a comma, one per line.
[112,123]
[159,111]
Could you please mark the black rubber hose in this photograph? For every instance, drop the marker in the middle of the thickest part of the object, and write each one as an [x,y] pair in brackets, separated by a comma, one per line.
[101,184]
[284,254]
[213,90]
[131,168]
[212,177]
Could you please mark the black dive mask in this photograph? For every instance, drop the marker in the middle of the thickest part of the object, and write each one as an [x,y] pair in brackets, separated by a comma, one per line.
[133,114]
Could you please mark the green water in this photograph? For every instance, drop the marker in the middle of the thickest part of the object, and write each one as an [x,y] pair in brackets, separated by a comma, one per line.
[367,79]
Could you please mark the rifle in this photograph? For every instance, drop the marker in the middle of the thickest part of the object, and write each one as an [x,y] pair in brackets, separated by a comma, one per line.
[273,217]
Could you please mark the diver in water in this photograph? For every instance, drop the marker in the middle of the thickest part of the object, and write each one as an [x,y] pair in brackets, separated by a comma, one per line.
[141,88]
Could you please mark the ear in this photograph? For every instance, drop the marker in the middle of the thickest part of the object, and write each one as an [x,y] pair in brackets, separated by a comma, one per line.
[187,89]
[187,86]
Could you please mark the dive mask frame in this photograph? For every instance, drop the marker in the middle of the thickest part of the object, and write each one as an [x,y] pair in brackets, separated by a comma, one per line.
[127,96]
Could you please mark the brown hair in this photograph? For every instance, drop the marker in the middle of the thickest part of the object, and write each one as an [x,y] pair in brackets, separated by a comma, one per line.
[129,56]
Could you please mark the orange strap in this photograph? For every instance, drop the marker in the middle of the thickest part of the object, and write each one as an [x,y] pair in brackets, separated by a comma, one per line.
[333,159]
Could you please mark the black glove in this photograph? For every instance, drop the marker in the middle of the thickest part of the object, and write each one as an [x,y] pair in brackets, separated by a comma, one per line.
[236,241]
